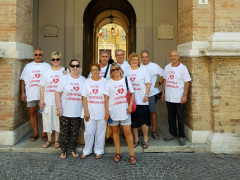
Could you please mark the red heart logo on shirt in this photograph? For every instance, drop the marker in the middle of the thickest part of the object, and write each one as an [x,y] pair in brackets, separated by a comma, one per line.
[171,76]
[132,79]
[121,90]
[37,75]
[76,88]
[55,80]
[95,91]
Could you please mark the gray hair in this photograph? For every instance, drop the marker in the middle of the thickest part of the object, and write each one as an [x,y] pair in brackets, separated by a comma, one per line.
[38,50]
[119,50]
[103,51]
[145,51]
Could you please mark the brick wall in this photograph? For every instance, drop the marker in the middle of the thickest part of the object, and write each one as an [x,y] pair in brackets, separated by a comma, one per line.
[24,21]
[227,16]
[7,20]
[198,108]
[13,112]
[185,22]
[16,21]
[226,94]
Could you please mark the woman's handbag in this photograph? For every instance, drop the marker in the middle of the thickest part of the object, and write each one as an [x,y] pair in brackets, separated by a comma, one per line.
[134,106]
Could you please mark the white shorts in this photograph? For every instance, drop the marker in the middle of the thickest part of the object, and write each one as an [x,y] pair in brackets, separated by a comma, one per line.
[122,122]
[50,119]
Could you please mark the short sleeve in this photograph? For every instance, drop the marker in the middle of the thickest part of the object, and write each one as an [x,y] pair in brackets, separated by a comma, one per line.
[165,73]
[158,70]
[85,89]
[22,77]
[130,85]
[43,81]
[146,76]
[60,85]
[185,74]
[106,88]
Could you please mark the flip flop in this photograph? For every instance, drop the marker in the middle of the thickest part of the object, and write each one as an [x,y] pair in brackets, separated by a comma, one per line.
[47,144]
[117,158]
[98,156]
[56,144]
[33,138]
[83,156]
[132,160]
[44,138]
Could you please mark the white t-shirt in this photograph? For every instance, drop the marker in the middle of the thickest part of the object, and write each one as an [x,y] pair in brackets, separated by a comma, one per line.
[175,78]
[71,95]
[124,66]
[93,91]
[102,73]
[32,74]
[139,78]
[50,80]
[153,70]
[117,92]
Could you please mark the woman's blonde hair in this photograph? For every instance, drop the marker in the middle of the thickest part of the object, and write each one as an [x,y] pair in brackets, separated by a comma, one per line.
[131,56]
[54,54]
[117,67]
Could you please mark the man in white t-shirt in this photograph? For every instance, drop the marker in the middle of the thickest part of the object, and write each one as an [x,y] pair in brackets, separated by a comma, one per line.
[30,89]
[119,54]
[105,67]
[175,90]
[154,71]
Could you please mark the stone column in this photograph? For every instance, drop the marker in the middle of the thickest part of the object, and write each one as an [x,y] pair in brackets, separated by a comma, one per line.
[209,42]
[15,48]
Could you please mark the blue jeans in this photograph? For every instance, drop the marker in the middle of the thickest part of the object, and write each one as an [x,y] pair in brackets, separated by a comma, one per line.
[175,110]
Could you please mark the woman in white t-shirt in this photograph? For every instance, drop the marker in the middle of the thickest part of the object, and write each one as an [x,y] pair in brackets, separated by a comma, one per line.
[48,85]
[140,79]
[117,110]
[69,107]
[94,112]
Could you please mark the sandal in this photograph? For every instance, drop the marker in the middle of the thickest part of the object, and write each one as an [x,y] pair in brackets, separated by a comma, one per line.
[136,144]
[56,144]
[33,138]
[117,158]
[83,156]
[63,155]
[74,154]
[44,138]
[144,144]
[155,135]
[132,160]
[98,156]
[47,144]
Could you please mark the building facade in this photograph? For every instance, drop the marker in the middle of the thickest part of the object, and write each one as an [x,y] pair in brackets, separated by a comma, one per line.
[205,32]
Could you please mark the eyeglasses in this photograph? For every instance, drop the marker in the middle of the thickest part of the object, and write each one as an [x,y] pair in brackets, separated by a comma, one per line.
[73,66]
[95,70]
[119,55]
[114,69]
[58,59]
[37,54]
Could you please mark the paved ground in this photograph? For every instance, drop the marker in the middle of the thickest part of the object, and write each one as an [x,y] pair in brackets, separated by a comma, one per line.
[149,166]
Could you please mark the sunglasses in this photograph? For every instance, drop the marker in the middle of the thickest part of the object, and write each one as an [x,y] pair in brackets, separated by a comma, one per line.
[115,69]
[95,70]
[37,54]
[73,66]
[58,59]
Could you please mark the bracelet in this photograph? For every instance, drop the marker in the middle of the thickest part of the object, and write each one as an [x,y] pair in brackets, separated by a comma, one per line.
[146,95]
[131,103]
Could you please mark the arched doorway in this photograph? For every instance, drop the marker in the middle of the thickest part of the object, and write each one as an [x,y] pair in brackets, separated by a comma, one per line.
[96,15]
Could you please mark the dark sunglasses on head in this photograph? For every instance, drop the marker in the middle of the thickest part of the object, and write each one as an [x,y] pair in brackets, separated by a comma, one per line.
[58,59]
[115,69]
[37,54]
[73,66]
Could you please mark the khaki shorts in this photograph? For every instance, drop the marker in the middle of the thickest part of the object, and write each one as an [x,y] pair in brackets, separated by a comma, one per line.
[33,103]
[122,122]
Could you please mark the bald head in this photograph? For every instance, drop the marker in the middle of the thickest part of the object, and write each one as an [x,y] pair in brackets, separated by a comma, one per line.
[174,57]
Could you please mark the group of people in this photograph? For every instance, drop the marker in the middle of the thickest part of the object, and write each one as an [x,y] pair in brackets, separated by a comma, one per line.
[65,98]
